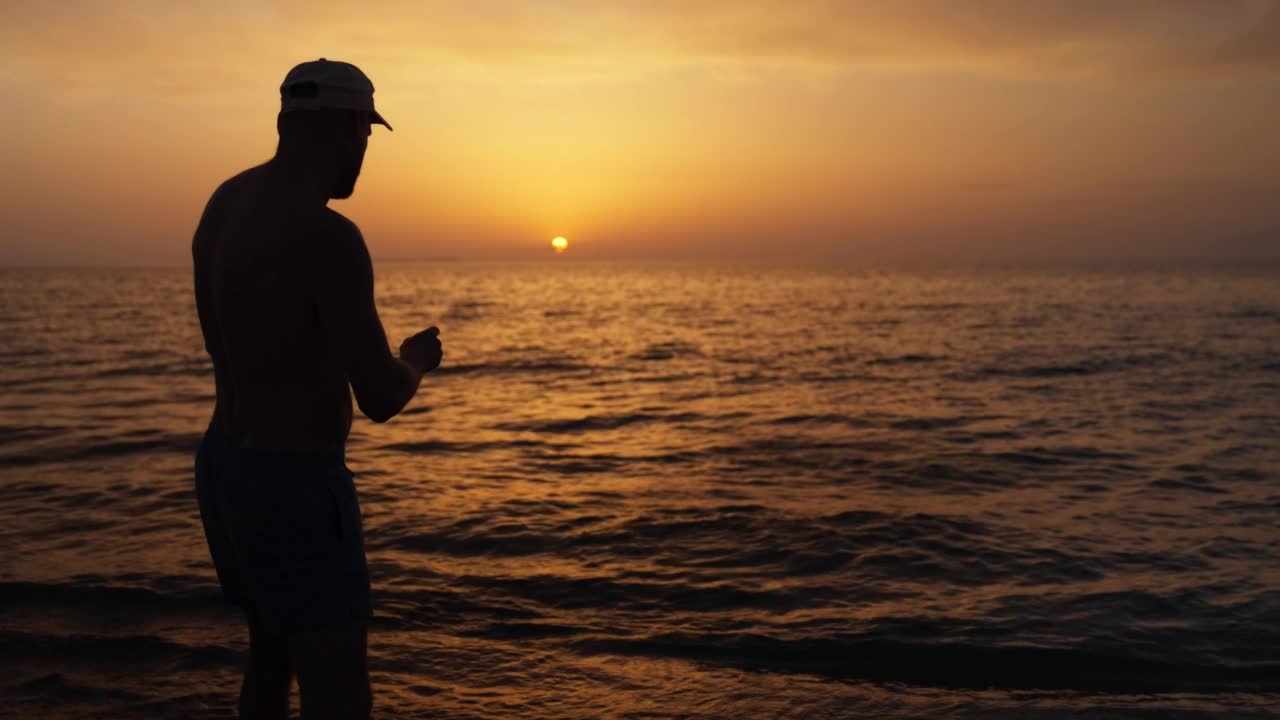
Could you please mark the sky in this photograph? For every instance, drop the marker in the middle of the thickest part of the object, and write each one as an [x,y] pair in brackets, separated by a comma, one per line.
[726,129]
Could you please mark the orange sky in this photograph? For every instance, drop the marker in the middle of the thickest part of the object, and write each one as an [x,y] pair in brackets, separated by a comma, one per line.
[664,128]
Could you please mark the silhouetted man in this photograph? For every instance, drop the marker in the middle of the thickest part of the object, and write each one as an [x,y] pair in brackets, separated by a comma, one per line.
[284,288]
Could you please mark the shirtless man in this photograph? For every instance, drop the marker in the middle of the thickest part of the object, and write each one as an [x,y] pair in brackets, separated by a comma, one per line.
[284,289]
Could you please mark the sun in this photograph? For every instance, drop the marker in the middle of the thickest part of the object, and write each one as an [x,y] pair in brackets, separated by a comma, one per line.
[560,244]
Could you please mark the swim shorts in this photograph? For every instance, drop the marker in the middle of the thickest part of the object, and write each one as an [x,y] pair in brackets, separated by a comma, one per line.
[285,534]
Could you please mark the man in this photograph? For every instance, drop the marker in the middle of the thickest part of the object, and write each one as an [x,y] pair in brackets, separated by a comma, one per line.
[284,289]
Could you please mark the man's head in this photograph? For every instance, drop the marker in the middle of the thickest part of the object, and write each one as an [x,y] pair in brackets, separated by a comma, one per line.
[327,113]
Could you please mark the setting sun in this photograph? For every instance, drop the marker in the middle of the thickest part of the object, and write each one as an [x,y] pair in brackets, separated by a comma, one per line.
[560,244]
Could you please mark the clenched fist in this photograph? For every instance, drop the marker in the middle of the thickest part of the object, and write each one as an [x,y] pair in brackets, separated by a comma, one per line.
[423,351]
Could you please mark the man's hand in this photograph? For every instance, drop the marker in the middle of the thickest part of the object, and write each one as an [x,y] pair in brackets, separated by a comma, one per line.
[423,351]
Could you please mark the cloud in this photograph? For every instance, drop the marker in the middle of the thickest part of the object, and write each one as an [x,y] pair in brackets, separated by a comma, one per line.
[1039,36]
[1045,36]
[1258,43]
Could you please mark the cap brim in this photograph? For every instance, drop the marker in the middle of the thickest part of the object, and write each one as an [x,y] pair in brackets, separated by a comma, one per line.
[375,117]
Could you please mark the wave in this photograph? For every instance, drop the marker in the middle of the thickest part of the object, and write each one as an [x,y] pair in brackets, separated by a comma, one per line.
[934,423]
[437,447]
[598,422]
[823,419]
[514,367]
[1250,313]
[466,310]
[1196,483]
[667,351]
[701,548]
[1059,455]
[1048,371]
[880,657]
[1088,366]
[936,307]
[57,375]
[57,685]
[634,594]
[908,359]
[96,592]
[15,433]
[28,646]
[185,443]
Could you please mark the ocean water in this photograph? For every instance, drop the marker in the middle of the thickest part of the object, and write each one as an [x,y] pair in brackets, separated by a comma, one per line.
[692,491]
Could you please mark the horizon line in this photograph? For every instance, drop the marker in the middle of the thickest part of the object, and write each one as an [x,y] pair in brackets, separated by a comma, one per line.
[1179,260]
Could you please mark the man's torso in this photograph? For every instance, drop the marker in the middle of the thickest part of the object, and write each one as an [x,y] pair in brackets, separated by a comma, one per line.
[254,257]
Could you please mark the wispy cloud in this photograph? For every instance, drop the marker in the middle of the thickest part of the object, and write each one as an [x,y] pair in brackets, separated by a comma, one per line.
[165,46]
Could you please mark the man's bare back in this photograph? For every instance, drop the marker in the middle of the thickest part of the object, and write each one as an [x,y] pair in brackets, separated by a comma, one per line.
[260,266]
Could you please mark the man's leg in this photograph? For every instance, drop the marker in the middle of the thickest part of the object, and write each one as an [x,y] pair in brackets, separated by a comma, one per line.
[333,677]
[265,692]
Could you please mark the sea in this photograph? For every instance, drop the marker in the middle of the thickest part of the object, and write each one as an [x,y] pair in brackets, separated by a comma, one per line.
[692,490]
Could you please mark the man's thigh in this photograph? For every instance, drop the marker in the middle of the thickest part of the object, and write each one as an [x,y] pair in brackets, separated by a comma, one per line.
[333,675]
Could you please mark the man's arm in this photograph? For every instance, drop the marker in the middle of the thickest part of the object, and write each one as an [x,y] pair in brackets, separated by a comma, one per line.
[342,284]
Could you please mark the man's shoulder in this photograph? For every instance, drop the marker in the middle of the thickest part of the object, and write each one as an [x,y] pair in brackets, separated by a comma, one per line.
[339,237]
[224,197]
[337,245]
[216,212]
[337,226]
[236,183]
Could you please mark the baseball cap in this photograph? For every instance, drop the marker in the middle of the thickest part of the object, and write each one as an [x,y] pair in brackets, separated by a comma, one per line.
[328,84]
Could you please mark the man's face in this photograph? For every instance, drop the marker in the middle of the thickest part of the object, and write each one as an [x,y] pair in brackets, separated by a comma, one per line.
[352,150]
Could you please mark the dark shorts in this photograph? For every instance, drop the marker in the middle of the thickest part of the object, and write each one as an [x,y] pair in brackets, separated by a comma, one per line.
[285,534]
